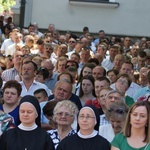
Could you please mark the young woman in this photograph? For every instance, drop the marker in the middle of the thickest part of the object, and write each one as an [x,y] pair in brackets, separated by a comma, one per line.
[136,134]
[87,89]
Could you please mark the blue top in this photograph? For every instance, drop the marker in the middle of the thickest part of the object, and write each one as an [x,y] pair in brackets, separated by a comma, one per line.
[14,114]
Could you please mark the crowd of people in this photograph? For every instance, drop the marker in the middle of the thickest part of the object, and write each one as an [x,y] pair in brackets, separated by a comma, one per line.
[73,92]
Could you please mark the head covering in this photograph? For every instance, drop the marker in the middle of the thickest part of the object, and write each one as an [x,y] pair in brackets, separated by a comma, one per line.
[35,103]
[97,117]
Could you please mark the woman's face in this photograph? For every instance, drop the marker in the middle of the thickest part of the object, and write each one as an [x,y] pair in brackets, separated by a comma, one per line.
[122,85]
[87,86]
[117,123]
[86,121]
[87,71]
[27,114]
[61,66]
[139,117]
[64,117]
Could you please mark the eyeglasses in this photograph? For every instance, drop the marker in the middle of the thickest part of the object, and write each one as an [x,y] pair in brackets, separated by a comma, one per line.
[118,110]
[60,114]
[122,81]
[86,117]
[71,41]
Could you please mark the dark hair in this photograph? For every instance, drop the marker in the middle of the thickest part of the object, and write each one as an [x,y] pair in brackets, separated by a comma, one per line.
[89,65]
[103,79]
[43,71]
[73,62]
[116,72]
[87,77]
[33,63]
[43,91]
[13,84]
[129,63]
[49,107]
[93,60]
[142,54]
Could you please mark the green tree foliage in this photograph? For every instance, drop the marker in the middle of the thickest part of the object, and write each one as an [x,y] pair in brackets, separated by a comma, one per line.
[6,4]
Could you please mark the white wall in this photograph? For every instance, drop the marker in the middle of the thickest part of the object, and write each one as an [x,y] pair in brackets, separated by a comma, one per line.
[130,18]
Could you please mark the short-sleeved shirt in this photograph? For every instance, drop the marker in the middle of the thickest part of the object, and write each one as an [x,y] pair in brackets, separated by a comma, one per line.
[120,141]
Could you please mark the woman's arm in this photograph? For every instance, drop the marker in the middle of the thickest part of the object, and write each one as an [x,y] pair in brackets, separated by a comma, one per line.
[114,148]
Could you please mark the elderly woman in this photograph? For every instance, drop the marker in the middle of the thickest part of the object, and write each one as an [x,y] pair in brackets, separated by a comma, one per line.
[136,133]
[27,136]
[64,115]
[87,137]
[116,115]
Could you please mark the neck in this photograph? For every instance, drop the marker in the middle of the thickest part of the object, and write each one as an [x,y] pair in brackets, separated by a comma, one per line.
[138,132]
[86,132]
[28,82]
[17,66]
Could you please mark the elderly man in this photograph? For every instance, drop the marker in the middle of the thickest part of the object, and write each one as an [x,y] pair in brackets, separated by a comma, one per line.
[29,85]
[62,91]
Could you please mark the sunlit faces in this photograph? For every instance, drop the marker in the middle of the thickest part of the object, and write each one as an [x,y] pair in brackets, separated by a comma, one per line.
[27,114]
[139,117]
[11,96]
[64,116]
[118,61]
[117,124]
[62,91]
[111,98]
[86,120]
[99,85]
[87,71]
[87,86]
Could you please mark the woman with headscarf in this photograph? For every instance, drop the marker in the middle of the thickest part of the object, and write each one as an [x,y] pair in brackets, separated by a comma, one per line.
[28,135]
[87,137]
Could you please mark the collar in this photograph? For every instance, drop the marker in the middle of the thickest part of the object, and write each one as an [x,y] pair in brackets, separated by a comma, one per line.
[93,134]
[22,127]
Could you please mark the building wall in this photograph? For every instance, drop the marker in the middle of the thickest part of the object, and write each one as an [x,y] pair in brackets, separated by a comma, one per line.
[130,18]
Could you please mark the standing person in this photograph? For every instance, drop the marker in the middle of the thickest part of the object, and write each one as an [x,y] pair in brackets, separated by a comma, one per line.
[27,135]
[87,137]
[136,134]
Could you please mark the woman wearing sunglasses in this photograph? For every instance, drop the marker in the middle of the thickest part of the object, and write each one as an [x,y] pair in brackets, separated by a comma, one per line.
[116,115]
[136,133]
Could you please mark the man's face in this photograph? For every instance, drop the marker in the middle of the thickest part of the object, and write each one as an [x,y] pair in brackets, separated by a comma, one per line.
[141,61]
[113,52]
[97,72]
[62,91]
[62,50]
[111,98]
[126,68]
[28,71]
[49,66]
[17,57]
[85,55]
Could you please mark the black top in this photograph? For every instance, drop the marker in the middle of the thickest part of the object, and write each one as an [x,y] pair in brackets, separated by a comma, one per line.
[17,139]
[75,142]
[74,98]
